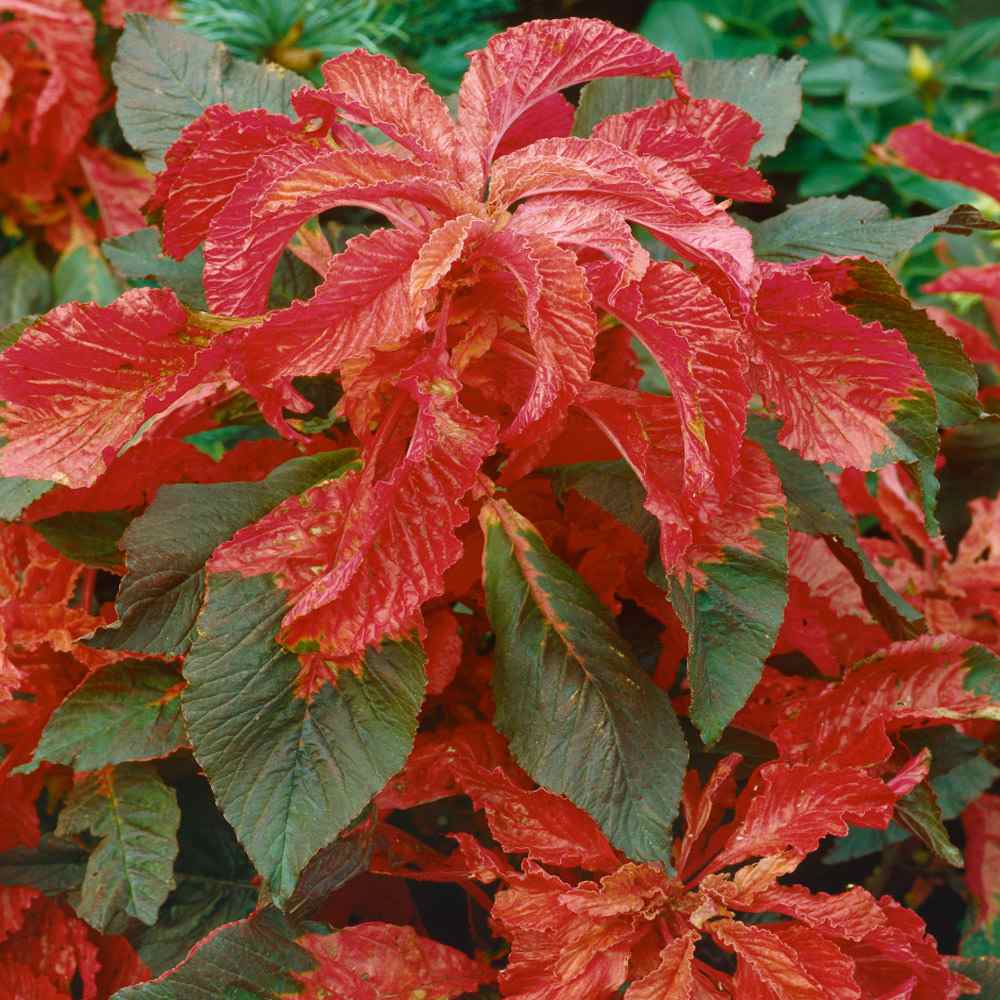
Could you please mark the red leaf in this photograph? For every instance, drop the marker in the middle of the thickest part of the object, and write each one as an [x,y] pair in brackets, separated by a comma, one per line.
[710,140]
[907,684]
[673,977]
[473,760]
[696,344]
[839,384]
[529,63]
[918,147]
[121,187]
[549,118]
[982,859]
[83,379]
[899,953]
[983,280]
[768,968]
[113,11]
[852,915]
[653,193]
[294,182]
[375,961]
[206,163]
[53,942]
[443,646]
[362,303]
[62,33]
[976,343]
[581,225]
[375,90]
[561,326]
[574,942]
[24,983]
[796,805]
[380,545]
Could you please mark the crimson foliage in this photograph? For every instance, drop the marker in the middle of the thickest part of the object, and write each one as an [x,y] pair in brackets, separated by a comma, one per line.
[511,543]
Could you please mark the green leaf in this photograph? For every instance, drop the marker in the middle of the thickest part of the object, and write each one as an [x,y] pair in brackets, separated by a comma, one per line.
[290,774]
[919,812]
[833,177]
[130,872]
[139,256]
[11,333]
[677,27]
[17,494]
[616,95]
[89,537]
[852,227]
[167,548]
[167,77]
[877,297]
[82,275]
[334,865]
[732,618]
[814,507]
[25,286]
[581,716]
[214,881]
[767,88]
[128,711]
[984,970]
[254,958]
[53,867]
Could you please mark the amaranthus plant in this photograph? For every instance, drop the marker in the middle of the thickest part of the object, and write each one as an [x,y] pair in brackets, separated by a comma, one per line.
[464,552]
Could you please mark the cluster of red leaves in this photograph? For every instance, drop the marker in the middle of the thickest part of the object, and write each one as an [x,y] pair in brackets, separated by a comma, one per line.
[482,338]
[51,90]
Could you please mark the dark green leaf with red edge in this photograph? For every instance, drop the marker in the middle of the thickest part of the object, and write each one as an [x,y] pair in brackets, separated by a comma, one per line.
[166,78]
[732,598]
[613,486]
[214,881]
[920,813]
[54,866]
[135,816]
[89,537]
[868,291]
[167,547]
[127,711]
[253,959]
[815,507]
[290,773]
[852,227]
[581,716]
